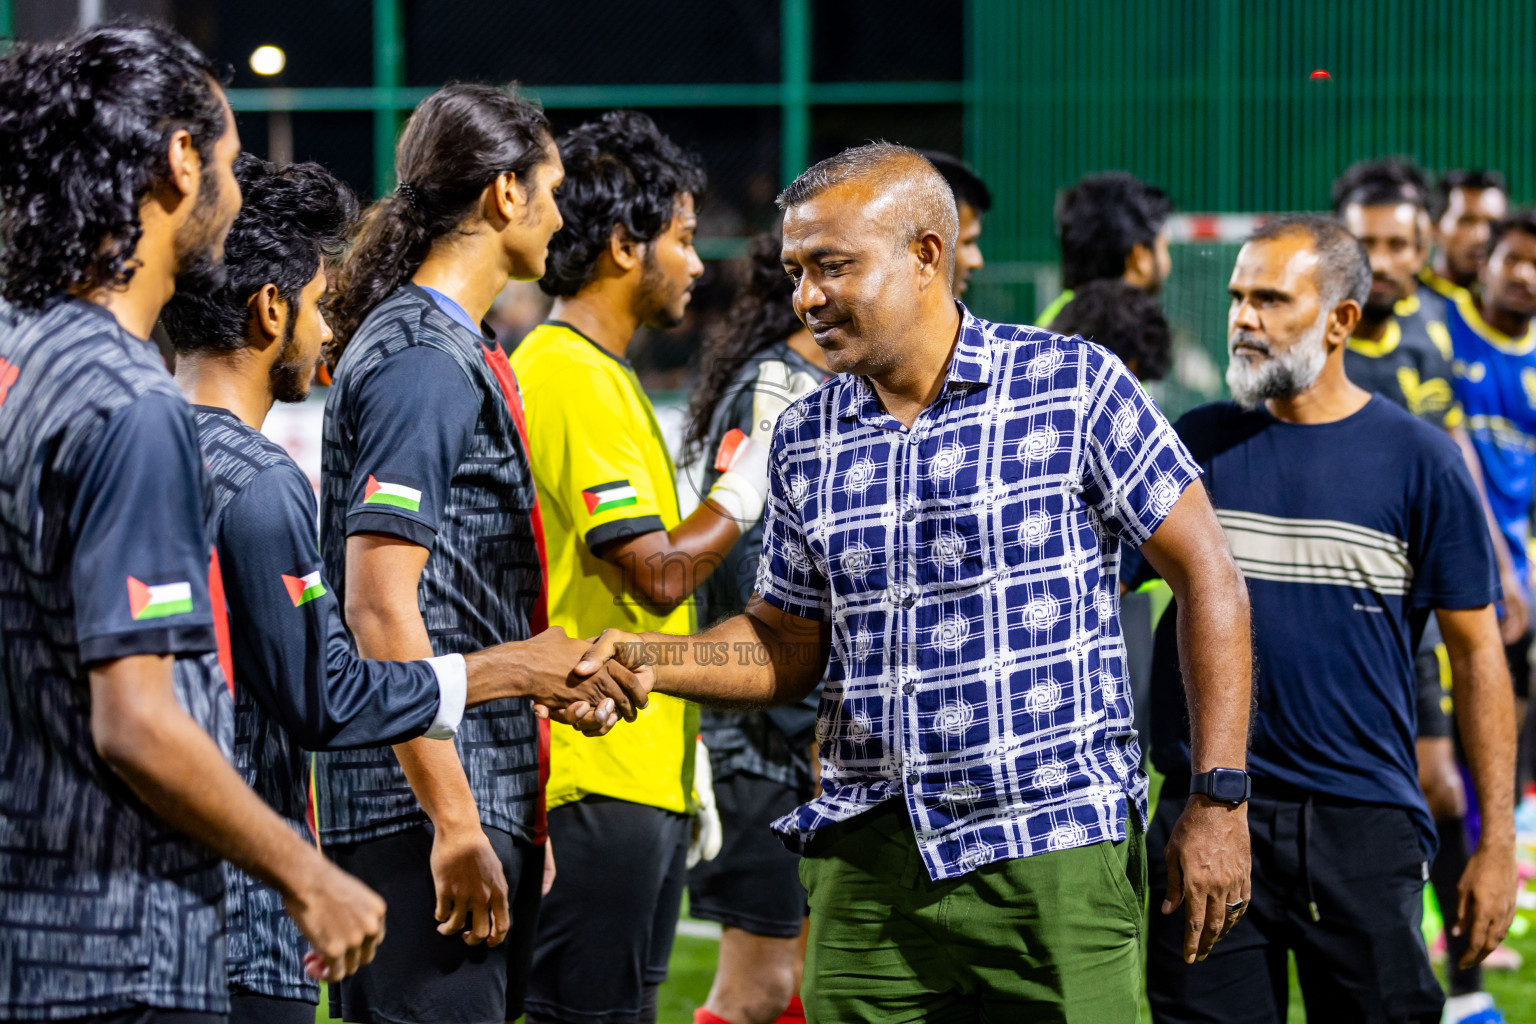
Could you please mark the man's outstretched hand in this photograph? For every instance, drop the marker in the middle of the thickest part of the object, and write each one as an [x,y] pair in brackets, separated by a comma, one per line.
[610,666]
[1209,872]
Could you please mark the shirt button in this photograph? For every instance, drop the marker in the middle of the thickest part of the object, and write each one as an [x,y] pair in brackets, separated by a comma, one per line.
[909,515]
[909,601]
[912,778]
[909,688]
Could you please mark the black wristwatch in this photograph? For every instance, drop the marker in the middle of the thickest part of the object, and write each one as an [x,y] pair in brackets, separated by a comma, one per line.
[1224,785]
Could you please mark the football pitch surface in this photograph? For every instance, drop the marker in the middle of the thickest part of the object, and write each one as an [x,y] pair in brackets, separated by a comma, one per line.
[693,968]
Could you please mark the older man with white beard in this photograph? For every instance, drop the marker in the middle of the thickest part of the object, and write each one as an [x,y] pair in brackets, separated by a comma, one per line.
[1351,521]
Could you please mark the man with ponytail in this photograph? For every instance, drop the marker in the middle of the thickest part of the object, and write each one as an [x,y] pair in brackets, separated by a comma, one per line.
[118,801]
[621,808]
[298,685]
[431,538]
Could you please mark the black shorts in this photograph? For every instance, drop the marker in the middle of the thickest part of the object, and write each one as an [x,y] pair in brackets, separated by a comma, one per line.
[148,1015]
[254,1008]
[419,976]
[606,930]
[1518,655]
[1362,961]
[754,884]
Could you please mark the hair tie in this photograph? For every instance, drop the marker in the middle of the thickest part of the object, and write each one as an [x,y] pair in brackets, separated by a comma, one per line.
[405,190]
[72,61]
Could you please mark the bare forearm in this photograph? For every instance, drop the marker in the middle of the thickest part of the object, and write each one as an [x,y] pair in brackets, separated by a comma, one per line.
[1485,715]
[1216,659]
[394,631]
[437,778]
[664,568]
[496,673]
[742,662]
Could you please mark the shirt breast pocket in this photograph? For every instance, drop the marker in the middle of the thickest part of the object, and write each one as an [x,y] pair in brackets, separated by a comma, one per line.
[952,552]
[858,560]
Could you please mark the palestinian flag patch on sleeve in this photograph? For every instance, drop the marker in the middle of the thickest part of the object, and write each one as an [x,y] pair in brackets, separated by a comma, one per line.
[155,602]
[609,496]
[304,589]
[380,492]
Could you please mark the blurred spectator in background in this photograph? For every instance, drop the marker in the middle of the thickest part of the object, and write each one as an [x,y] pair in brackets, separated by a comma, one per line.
[972,199]
[1401,350]
[1125,320]
[1111,226]
[1464,207]
[1495,348]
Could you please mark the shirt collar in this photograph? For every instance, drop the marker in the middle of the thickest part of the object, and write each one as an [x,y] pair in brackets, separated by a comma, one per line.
[458,314]
[970,366]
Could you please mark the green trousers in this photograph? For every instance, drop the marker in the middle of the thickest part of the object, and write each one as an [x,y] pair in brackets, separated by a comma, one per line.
[1051,938]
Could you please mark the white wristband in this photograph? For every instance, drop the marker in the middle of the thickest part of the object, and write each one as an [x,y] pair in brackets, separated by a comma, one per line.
[452,691]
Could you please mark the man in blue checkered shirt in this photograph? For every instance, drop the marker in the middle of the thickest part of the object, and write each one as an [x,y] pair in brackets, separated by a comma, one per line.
[943,534]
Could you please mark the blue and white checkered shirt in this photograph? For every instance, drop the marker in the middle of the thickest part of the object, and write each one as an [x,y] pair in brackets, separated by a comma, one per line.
[969,566]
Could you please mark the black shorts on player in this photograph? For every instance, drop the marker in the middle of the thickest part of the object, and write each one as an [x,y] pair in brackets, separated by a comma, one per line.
[247,1007]
[150,1015]
[754,882]
[630,860]
[405,980]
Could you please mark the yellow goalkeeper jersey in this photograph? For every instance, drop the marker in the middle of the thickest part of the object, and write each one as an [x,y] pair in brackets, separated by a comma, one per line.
[603,473]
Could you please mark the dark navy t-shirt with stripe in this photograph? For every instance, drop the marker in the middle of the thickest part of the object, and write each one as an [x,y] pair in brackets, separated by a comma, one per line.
[104,554]
[1350,534]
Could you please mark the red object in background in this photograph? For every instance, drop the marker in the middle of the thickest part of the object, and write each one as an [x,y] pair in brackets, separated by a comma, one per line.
[1320,73]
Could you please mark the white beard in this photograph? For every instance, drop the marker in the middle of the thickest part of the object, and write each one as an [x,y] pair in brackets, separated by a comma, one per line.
[1285,375]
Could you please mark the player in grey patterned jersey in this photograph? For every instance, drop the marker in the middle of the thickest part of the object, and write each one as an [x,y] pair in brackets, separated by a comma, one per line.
[431,537]
[298,685]
[116,190]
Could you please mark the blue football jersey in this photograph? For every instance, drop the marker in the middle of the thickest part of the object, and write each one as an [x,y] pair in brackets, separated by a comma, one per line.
[1496,386]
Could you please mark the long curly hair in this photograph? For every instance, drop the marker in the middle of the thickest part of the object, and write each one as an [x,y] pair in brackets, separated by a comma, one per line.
[85,126]
[292,217]
[762,315]
[619,169]
[460,139]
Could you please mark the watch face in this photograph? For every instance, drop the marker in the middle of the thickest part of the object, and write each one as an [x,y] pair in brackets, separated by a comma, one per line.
[1228,786]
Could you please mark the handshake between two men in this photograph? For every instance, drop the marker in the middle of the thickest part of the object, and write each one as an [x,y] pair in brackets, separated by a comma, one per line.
[760,658]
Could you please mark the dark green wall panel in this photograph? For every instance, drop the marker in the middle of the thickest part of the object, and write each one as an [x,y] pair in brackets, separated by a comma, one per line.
[1211,98]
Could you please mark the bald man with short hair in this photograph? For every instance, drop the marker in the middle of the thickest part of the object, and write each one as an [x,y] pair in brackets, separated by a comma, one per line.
[943,539]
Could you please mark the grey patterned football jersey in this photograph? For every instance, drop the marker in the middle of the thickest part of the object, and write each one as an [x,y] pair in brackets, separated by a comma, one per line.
[103,555]
[420,444]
